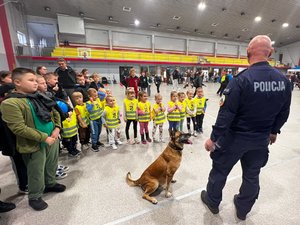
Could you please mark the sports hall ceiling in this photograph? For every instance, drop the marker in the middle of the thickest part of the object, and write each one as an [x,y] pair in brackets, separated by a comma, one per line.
[223,19]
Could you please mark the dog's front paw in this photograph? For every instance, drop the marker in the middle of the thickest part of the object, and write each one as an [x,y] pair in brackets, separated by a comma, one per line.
[168,194]
[154,201]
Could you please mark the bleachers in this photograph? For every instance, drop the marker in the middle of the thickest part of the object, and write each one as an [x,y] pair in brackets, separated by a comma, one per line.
[68,52]
[73,52]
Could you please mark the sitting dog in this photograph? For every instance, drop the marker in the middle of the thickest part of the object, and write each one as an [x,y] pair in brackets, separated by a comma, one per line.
[162,170]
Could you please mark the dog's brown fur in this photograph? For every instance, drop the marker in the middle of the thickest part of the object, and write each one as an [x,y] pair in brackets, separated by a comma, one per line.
[161,171]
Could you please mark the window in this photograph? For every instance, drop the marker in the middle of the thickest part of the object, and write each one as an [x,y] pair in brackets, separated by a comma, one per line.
[21,38]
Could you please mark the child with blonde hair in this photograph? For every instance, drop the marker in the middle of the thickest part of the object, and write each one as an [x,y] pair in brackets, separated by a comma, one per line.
[182,105]
[173,110]
[130,115]
[144,109]
[159,117]
[200,102]
[82,118]
[191,110]
[111,120]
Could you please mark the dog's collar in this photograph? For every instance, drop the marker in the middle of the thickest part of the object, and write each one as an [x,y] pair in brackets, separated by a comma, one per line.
[175,147]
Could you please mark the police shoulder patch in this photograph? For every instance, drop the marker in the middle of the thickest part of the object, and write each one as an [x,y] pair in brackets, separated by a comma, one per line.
[222,100]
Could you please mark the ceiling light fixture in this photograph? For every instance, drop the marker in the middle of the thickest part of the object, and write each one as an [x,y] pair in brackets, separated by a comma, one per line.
[245,29]
[136,22]
[273,20]
[110,18]
[224,9]
[201,5]
[196,30]
[242,13]
[158,24]
[257,19]
[170,29]
[47,8]
[285,25]
[81,14]
[178,28]
[214,24]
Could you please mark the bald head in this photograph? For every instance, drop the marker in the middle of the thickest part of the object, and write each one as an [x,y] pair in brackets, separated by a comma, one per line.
[259,49]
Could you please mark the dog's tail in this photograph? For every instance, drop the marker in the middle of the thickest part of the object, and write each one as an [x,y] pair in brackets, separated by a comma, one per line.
[131,182]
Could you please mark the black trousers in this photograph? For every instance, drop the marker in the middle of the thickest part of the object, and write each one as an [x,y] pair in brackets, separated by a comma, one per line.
[20,170]
[70,143]
[199,122]
[128,122]
[157,86]
[188,122]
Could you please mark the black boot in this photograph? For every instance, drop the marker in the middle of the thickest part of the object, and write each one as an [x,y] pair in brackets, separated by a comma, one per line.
[38,204]
[148,138]
[6,206]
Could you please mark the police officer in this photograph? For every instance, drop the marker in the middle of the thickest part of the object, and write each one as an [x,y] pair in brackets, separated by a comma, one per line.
[254,107]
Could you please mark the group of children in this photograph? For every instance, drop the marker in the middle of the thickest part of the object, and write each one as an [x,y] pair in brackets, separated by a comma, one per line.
[178,108]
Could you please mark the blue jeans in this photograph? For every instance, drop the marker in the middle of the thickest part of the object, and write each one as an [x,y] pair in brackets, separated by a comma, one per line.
[173,125]
[96,127]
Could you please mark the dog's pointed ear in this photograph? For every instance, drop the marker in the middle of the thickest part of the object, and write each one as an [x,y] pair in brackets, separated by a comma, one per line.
[172,134]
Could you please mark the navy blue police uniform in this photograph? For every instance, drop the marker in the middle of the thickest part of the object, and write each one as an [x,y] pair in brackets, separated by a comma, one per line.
[256,104]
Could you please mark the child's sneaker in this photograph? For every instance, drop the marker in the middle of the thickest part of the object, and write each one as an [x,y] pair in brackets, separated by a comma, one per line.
[60,175]
[74,153]
[136,141]
[190,132]
[118,142]
[23,191]
[130,142]
[144,142]
[63,168]
[149,140]
[95,148]
[162,140]
[114,147]
[195,134]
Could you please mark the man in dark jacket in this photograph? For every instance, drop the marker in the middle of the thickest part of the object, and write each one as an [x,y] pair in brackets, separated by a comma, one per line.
[66,77]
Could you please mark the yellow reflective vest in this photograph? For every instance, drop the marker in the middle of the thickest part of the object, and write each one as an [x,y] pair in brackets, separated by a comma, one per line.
[69,126]
[183,109]
[97,110]
[130,107]
[190,104]
[112,116]
[200,104]
[83,113]
[145,107]
[159,117]
[173,116]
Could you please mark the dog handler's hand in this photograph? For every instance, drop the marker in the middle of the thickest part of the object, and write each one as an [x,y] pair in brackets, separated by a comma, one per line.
[209,145]
[273,138]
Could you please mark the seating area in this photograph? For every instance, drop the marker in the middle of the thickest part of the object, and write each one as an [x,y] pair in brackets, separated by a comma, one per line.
[91,53]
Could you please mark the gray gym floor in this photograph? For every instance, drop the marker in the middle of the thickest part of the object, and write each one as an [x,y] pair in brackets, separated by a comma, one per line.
[98,194]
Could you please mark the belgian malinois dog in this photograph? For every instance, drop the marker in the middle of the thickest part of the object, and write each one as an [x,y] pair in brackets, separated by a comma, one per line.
[162,170]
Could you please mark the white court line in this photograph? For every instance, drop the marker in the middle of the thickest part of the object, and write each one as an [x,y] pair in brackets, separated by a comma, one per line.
[197,191]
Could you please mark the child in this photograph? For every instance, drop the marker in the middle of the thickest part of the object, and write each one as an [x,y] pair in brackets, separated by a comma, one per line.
[182,105]
[69,134]
[130,115]
[54,87]
[95,109]
[111,120]
[82,87]
[36,134]
[200,103]
[191,111]
[173,112]
[158,116]
[143,109]
[82,118]
[96,84]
